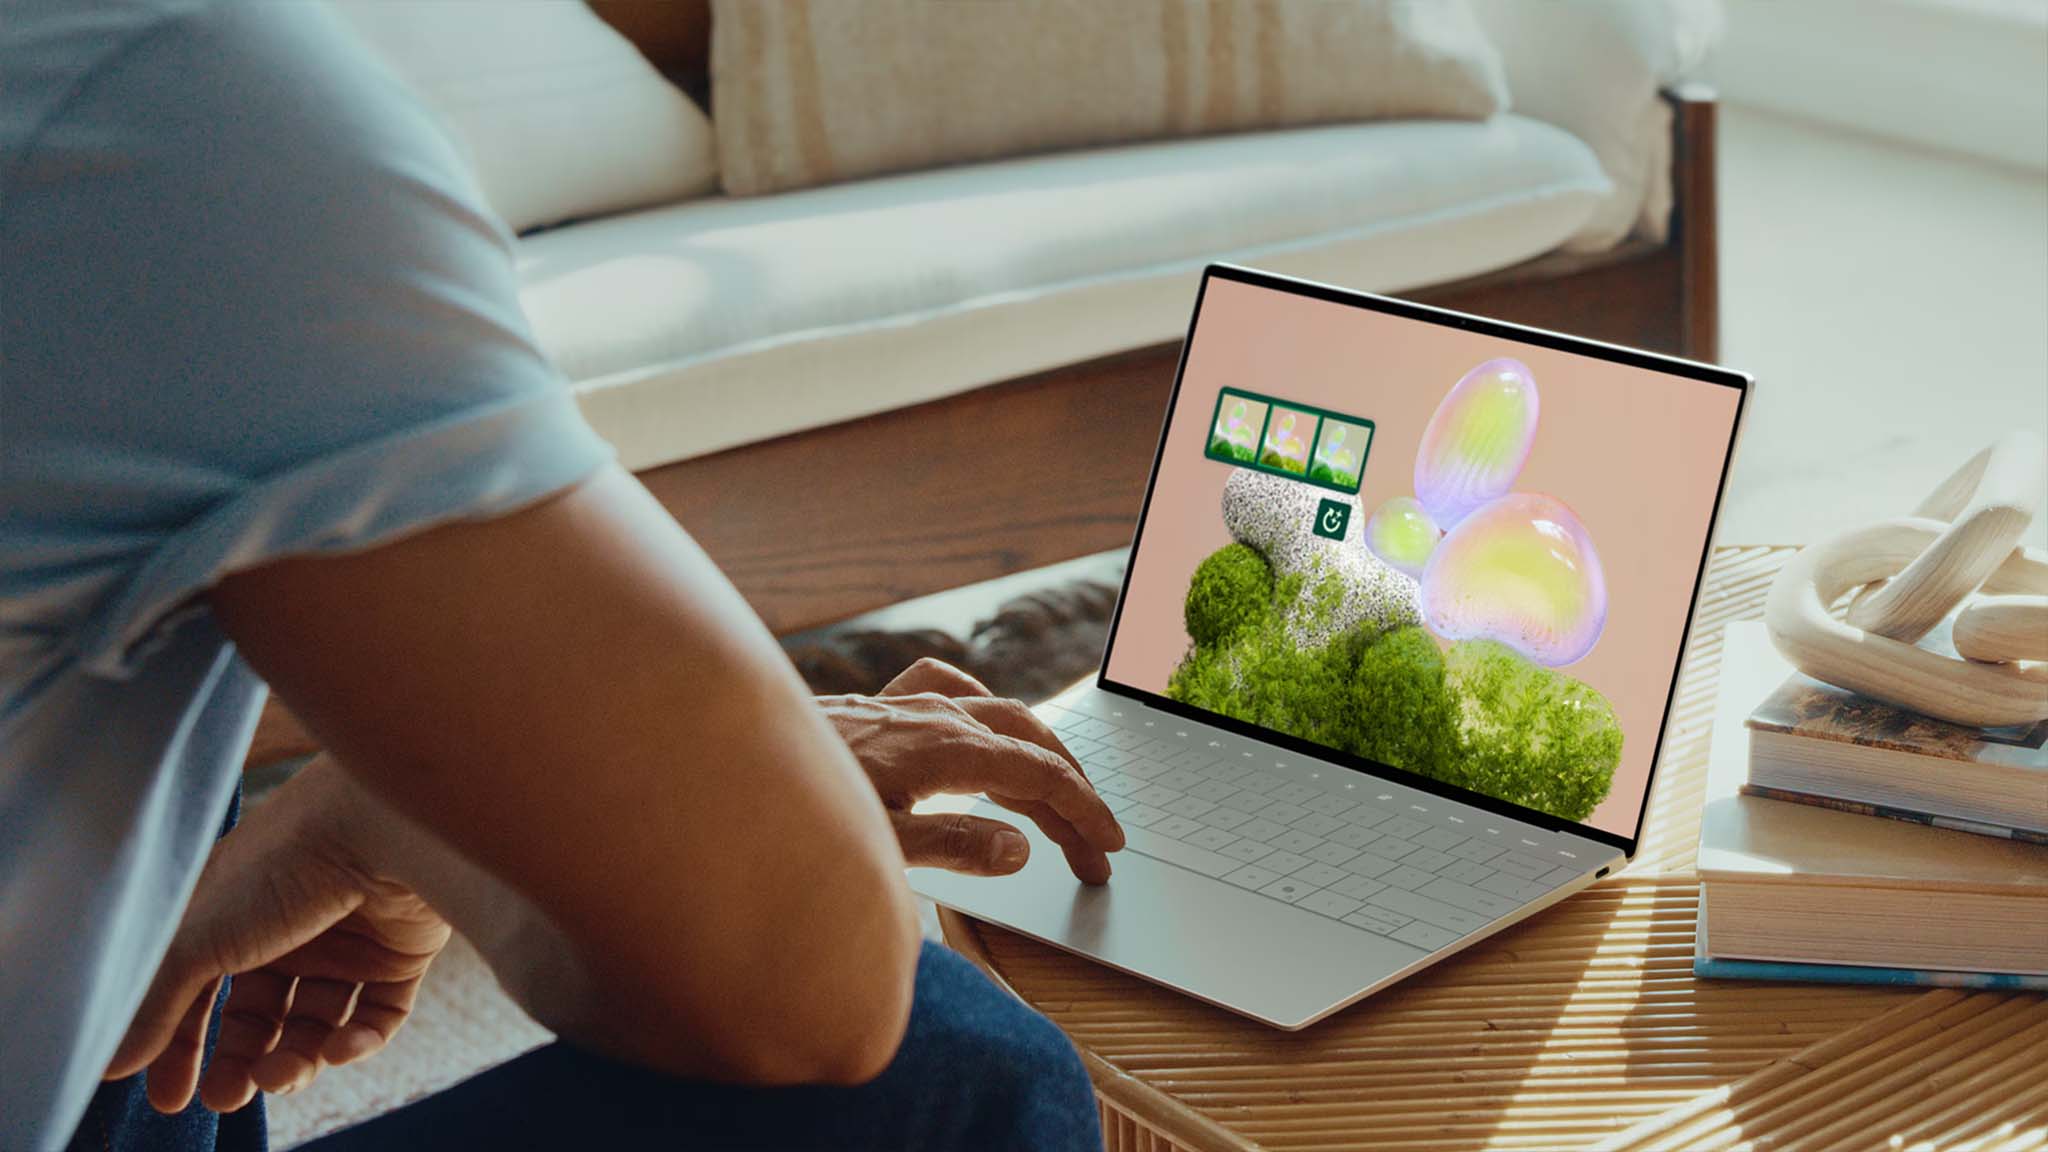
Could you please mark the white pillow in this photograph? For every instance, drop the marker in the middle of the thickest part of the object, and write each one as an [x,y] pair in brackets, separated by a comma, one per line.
[558,115]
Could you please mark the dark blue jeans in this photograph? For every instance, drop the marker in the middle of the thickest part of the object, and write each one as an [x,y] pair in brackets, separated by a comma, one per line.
[977,1070]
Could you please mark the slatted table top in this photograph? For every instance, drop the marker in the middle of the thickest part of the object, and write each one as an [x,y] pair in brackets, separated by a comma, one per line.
[1582,1028]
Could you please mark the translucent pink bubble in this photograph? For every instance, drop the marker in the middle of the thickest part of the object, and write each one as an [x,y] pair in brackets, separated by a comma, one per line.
[1520,570]
[1477,441]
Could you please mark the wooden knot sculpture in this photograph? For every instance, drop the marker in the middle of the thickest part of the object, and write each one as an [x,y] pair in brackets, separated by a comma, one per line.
[1957,549]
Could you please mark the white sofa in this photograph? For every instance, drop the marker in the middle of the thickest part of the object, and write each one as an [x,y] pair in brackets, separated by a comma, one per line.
[712,323]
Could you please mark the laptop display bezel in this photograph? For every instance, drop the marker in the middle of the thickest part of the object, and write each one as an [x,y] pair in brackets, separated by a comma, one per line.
[1441,317]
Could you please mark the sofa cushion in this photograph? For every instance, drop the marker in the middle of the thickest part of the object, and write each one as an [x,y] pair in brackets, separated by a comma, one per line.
[718,322]
[811,93]
[558,115]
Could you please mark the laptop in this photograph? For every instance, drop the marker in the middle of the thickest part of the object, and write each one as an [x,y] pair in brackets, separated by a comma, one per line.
[1395,650]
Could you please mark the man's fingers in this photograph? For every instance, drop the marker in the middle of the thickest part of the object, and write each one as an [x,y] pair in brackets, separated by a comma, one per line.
[1088,862]
[1015,718]
[998,762]
[175,1071]
[380,1009]
[929,675]
[178,983]
[249,1024]
[318,1008]
[957,842]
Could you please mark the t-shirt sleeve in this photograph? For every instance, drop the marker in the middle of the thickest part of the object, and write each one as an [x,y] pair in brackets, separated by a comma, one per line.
[268,314]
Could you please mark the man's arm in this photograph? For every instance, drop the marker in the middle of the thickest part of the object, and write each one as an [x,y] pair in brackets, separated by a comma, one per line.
[574,699]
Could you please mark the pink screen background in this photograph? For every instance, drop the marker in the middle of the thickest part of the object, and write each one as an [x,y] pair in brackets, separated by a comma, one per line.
[1637,454]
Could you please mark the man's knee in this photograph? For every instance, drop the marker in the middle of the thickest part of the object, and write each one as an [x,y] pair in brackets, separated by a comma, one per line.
[1018,1077]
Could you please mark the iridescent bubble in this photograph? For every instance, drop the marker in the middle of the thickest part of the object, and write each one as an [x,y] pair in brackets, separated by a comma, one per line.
[1402,534]
[1477,441]
[1520,570]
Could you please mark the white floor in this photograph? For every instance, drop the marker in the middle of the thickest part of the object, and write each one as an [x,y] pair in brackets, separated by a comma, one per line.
[1893,305]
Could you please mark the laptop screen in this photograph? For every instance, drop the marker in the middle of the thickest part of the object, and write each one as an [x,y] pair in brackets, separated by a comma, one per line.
[1424,542]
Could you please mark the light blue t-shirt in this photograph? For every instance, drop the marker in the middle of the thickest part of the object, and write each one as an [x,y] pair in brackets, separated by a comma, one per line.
[251,305]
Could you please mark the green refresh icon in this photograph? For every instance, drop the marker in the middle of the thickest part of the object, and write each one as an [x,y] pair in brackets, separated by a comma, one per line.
[1332,517]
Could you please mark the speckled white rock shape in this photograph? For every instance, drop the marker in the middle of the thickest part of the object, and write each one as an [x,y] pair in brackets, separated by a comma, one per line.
[1275,516]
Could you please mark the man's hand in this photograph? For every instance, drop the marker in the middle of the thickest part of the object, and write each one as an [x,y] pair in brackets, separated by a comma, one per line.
[935,729]
[327,958]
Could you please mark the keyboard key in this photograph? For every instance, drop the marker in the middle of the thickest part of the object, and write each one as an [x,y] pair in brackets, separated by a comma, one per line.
[1329,804]
[1474,851]
[1079,745]
[1181,778]
[1116,803]
[1156,794]
[1190,807]
[1367,816]
[1261,829]
[1148,842]
[1158,750]
[1287,889]
[1140,815]
[1377,920]
[1245,801]
[1418,907]
[1214,839]
[1057,719]
[1295,793]
[1401,877]
[1224,818]
[1126,739]
[1466,872]
[1317,824]
[1427,937]
[1117,784]
[1386,847]
[1194,759]
[1558,876]
[1528,868]
[1177,827]
[1248,851]
[1356,887]
[1283,812]
[1250,876]
[1320,875]
[1352,836]
[1440,839]
[1214,791]
[1329,853]
[1295,840]
[1095,728]
[1404,827]
[1109,757]
[1501,884]
[1471,899]
[1284,863]
[1261,782]
[1427,859]
[1366,864]
[1142,769]
[1328,903]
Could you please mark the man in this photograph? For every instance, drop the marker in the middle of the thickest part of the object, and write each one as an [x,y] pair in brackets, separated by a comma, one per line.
[271,414]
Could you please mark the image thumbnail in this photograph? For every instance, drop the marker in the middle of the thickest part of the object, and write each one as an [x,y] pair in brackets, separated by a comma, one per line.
[1235,434]
[1340,453]
[1287,437]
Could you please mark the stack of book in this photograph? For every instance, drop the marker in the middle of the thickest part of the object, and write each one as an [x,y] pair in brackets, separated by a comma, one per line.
[1846,840]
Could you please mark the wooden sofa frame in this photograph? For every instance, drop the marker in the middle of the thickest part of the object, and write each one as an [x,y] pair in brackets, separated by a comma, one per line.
[818,526]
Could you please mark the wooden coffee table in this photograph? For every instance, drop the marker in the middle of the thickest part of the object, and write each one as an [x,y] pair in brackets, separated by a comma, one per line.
[1583,1028]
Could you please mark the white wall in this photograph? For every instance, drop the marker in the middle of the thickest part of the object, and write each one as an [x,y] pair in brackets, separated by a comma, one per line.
[1965,75]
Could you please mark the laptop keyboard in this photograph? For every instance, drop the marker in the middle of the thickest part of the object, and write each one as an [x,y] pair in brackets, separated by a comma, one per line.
[1349,851]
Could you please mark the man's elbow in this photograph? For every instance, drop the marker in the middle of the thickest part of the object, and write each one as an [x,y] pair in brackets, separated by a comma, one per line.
[838,1021]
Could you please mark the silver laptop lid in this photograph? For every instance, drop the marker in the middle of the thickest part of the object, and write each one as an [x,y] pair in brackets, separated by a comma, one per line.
[1426,546]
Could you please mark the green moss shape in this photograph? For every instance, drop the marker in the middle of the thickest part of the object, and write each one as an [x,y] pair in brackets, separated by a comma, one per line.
[1275,460]
[1218,446]
[1231,588]
[1481,716]
[1531,734]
